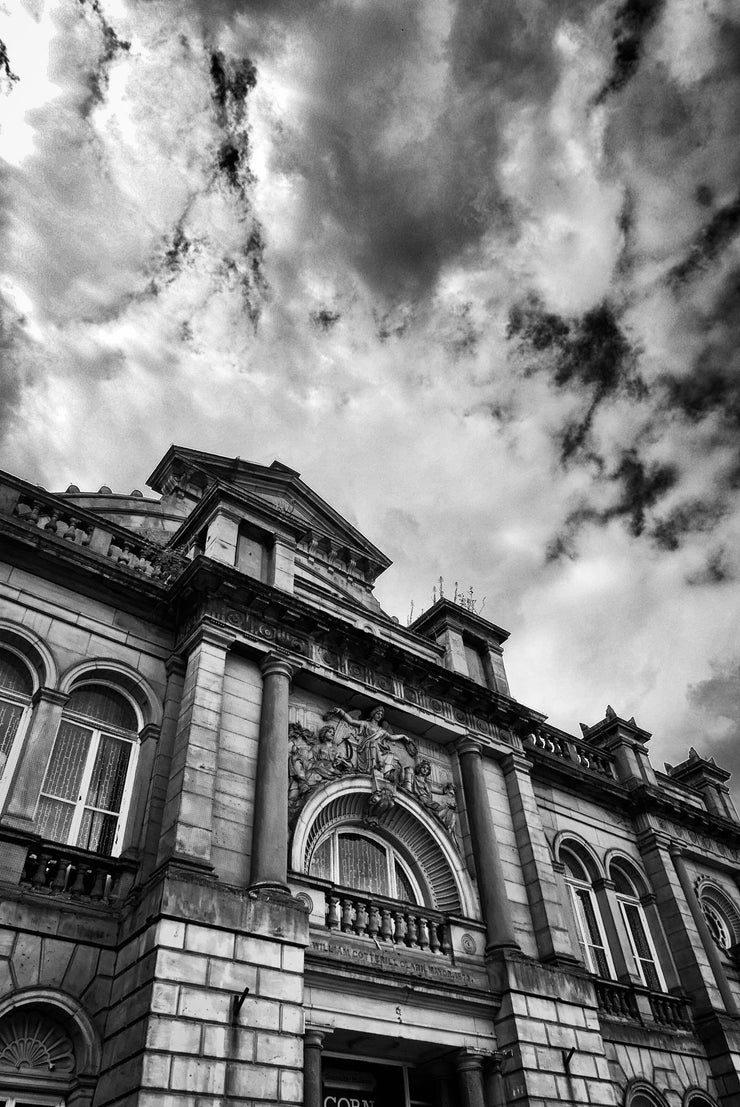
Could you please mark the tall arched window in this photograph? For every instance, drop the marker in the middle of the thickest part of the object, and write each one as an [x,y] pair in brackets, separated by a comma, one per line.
[638,930]
[16,689]
[355,858]
[87,786]
[589,925]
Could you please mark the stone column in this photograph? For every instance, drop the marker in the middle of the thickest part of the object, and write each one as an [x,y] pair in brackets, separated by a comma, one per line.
[469,1067]
[133,831]
[491,883]
[48,705]
[188,814]
[545,903]
[681,930]
[270,841]
[715,961]
[157,790]
[313,1041]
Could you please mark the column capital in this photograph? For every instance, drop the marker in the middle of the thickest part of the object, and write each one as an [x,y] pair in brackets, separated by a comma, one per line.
[150,732]
[280,663]
[469,1059]
[313,1035]
[51,696]
[469,745]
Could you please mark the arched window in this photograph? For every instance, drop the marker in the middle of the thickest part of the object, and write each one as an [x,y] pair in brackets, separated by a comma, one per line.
[355,858]
[589,925]
[722,917]
[87,786]
[37,1060]
[16,689]
[638,930]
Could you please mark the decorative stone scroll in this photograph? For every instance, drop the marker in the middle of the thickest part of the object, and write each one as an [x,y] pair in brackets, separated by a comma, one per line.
[350,746]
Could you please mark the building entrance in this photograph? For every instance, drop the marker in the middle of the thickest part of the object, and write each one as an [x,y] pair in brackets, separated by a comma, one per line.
[360,1082]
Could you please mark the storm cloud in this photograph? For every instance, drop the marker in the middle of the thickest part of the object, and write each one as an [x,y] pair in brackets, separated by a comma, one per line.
[470,264]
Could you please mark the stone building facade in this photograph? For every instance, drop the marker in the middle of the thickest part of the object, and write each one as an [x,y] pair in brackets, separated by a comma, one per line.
[260,844]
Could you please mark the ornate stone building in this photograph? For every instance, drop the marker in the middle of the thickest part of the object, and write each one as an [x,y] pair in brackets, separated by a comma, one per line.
[260,844]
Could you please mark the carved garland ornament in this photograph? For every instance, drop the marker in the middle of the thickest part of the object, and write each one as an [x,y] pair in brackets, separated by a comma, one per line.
[350,746]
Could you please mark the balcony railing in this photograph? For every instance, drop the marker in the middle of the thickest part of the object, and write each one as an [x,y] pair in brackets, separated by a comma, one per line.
[42,511]
[578,753]
[621,1001]
[65,871]
[395,924]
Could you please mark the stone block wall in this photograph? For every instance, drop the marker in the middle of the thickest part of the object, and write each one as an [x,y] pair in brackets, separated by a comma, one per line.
[173,1036]
[544,1015]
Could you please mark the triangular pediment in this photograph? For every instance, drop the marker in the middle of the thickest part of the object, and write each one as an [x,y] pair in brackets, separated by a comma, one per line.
[278,491]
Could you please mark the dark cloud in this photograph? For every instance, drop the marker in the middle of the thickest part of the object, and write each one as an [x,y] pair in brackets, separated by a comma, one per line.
[589,354]
[712,386]
[638,486]
[5,64]
[111,46]
[713,238]
[698,517]
[324,319]
[633,21]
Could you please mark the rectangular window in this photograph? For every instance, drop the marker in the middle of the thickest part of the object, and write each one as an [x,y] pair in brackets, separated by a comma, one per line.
[642,946]
[590,937]
[85,792]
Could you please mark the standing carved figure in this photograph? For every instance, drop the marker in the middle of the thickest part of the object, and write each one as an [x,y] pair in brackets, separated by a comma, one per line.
[425,790]
[375,752]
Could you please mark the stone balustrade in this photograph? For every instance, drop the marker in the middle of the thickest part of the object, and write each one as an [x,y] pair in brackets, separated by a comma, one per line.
[43,512]
[397,924]
[621,1001]
[77,874]
[570,749]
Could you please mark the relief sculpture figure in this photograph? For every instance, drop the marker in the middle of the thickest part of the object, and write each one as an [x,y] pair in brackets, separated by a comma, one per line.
[366,747]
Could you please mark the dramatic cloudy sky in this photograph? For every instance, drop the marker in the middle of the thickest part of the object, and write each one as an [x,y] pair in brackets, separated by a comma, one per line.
[471,267]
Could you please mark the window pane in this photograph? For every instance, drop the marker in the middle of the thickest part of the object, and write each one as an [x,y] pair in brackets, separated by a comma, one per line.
[14,675]
[64,775]
[97,831]
[10,714]
[105,705]
[646,962]
[321,861]
[363,864]
[109,773]
[54,818]
[404,891]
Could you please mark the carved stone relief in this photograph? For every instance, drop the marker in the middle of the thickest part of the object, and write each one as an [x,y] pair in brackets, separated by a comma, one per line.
[347,745]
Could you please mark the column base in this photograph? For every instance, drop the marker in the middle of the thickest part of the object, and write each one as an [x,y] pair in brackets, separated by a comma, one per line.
[270,886]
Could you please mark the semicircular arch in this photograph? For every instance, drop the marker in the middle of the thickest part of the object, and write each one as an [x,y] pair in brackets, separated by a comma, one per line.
[33,650]
[72,1016]
[587,854]
[343,802]
[121,676]
[627,865]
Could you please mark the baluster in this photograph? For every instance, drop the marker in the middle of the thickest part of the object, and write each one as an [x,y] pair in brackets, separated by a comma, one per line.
[35,512]
[360,918]
[114,551]
[386,927]
[346,915]
[399,931]
[51,523]
[49,872]
[433,937]
[108,887]
[97,888]
[30,868]
[71,532]
[332,912]
[411,932]
[423,933]
[373,923]
[58,882]
[444,937]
